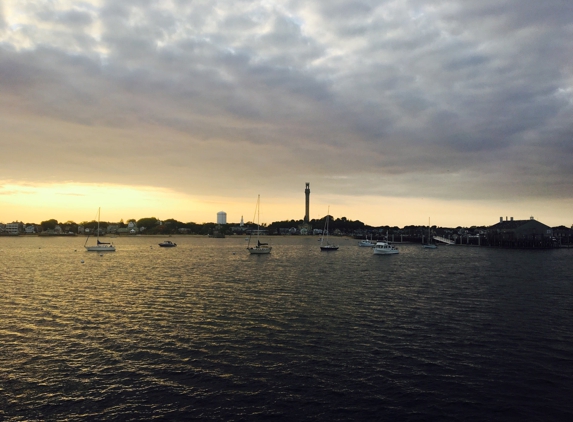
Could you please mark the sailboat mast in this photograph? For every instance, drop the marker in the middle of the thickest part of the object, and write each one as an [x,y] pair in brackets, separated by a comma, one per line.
[327,223]
[325,227]
[258,217]
[98,215]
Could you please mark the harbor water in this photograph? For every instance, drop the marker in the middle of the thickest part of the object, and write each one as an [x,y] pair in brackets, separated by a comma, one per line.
[205,331]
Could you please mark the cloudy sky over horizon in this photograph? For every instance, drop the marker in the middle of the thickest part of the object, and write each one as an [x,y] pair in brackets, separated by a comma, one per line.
[392,110]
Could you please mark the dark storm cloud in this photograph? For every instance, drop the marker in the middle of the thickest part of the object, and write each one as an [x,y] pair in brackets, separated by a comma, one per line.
[411,92]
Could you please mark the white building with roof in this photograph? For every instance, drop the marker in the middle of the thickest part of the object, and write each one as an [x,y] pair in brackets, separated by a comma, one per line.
[221,217]
[12,228]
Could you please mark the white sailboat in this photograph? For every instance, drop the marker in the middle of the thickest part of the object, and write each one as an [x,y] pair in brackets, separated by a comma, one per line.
[326,246]
[429,244]
[99,246]
[259,248]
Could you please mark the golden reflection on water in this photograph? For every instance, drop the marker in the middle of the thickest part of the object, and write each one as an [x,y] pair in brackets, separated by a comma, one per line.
[210,326]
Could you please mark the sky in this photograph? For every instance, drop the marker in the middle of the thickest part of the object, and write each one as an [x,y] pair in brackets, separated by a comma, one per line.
[394,111]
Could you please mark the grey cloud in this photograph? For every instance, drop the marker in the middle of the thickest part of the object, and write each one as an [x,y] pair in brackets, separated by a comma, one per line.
[412,96]
[2,20]
[73,17]
[508,15]
[337,9]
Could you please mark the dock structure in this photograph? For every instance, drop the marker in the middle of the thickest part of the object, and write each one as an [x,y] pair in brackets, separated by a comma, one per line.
[444,240]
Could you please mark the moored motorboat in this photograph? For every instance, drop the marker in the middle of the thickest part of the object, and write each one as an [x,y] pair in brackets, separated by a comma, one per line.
[383,248]
[366,243]
[167,244]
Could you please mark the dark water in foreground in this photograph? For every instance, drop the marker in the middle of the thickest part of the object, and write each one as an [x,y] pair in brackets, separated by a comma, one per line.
[206,331]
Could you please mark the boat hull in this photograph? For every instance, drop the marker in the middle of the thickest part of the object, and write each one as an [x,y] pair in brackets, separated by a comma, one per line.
[329,248]
[385,252]
[100,248]
[259,251]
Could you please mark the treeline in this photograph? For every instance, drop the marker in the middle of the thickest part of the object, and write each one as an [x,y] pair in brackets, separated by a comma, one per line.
[152,225]
[147,225]
[343,226]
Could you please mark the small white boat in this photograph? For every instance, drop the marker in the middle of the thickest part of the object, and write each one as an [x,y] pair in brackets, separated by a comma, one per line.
[383,248]
[429,245]
[99,246]
[167,244]
[329,247]
[326,246]
[366,243]
[259,248]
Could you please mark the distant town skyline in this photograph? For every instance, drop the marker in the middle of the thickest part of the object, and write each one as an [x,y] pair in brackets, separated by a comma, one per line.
[237,218]
[393,111]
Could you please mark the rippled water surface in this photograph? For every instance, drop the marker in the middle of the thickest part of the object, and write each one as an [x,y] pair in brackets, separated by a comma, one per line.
[206,331]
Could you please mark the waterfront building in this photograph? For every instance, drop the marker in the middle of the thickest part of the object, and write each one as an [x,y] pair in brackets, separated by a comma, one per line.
[520,233]
[130,229]
[12,228]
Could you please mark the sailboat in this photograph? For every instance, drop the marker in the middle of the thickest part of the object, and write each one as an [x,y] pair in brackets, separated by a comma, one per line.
[327,246]
[429,244]
[259,248]
[99,246]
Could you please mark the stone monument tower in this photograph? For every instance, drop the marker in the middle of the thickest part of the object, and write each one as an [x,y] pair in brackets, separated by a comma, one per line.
[307,208]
